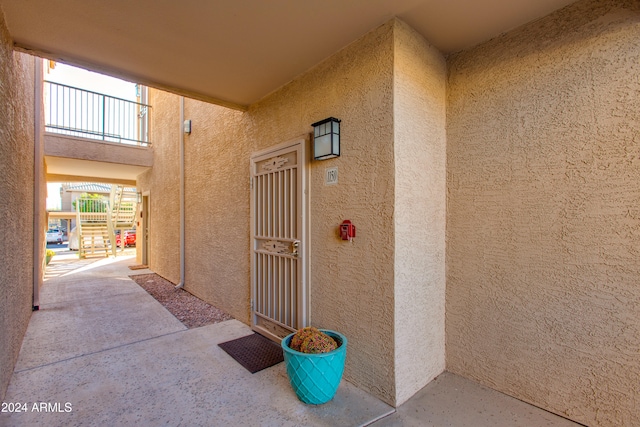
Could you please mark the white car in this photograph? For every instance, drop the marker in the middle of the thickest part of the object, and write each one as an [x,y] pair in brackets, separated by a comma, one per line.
[54,236]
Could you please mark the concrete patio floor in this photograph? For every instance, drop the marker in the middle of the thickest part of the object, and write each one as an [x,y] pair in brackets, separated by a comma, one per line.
[101,351]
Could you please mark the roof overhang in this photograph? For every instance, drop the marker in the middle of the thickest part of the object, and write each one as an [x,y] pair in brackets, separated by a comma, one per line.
[234,53]
[61,169]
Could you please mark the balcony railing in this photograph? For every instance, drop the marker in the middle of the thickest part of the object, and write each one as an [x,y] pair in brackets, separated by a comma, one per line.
[82,113]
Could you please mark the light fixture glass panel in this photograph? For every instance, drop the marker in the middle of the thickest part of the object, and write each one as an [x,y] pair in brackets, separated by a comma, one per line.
[322,146]
[326,139]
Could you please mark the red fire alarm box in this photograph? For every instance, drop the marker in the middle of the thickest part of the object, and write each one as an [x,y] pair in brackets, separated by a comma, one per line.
[347,230]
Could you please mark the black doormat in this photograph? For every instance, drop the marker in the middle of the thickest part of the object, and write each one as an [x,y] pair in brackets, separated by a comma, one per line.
[254,352]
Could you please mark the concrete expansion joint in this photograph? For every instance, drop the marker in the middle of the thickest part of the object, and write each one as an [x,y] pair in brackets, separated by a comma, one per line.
[80,356]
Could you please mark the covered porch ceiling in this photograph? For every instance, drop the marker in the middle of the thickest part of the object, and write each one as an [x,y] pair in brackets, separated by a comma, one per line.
[234,53]
[60,169]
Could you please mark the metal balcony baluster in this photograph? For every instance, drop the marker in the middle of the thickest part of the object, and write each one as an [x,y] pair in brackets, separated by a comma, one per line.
[86,114]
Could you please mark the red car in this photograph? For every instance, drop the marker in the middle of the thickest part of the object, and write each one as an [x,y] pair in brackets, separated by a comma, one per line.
[129,238]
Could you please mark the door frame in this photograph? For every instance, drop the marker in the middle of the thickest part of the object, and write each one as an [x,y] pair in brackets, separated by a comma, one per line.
[301,143]
[144,228]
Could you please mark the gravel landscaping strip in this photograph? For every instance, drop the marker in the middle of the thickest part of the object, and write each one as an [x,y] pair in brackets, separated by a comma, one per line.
[189,309]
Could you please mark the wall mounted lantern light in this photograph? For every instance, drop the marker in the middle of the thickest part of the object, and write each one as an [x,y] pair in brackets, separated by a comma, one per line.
[326,139]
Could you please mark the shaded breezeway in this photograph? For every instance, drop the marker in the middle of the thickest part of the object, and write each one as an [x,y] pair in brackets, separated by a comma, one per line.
[103,345]
[104,350]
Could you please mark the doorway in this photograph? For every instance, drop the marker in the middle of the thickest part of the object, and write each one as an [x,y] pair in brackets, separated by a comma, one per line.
[279,242]
[144,230]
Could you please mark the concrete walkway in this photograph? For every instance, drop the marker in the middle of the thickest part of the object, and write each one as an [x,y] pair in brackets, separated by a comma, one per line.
[102,352]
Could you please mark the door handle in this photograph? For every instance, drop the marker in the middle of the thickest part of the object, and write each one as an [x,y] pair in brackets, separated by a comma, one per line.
[295,245]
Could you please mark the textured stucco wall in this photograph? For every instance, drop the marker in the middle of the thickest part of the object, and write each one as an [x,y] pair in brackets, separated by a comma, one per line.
[16,200]
[420,198]
[351,284]
[543,221]
[216,201]
[71,147]
[163,184]
[217,208]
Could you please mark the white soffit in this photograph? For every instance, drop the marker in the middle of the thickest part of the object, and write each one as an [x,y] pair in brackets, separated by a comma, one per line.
[92,169]
[236,52]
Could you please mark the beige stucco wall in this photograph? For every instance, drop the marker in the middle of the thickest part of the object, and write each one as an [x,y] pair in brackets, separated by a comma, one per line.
[419,218]
[351,284]
[163,184]
[71,147]
[216,201]
[16,200]
[543,221]
[217,207]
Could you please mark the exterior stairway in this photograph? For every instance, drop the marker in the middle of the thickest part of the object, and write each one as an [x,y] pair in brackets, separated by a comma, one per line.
[94,240]
[94,227]
[124,203]
[99,218]
[124,207]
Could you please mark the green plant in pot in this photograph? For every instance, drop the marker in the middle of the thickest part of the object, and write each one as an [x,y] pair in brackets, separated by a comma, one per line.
[315,362]
[49,255]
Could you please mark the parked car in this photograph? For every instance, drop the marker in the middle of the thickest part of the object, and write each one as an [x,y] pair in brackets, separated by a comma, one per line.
[129,238]
[54,236]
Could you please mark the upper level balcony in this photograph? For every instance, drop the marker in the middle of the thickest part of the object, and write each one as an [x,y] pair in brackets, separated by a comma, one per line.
[94,136]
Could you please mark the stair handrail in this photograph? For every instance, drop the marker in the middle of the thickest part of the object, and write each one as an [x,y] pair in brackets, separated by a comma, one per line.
[93,210]
[78,235]
[112,234]
[124,206]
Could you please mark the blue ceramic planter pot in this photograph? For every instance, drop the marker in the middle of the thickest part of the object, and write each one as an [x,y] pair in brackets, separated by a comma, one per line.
[315,377]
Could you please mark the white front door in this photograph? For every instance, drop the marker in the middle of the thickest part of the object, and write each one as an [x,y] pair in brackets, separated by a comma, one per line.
[279,294]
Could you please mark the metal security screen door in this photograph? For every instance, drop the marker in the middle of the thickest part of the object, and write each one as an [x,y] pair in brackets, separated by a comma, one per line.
[279,297]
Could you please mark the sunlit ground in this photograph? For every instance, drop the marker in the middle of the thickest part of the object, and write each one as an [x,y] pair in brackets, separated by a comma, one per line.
[66,262]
